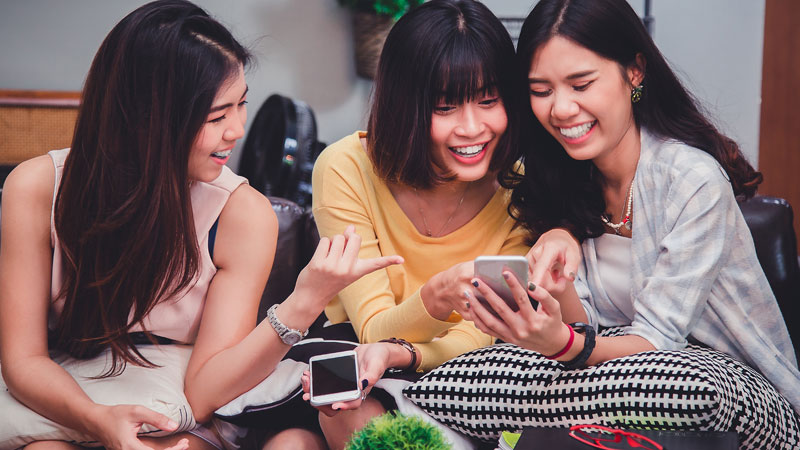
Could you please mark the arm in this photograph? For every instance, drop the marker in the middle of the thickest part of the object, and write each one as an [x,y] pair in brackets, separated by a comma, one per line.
[674,293]
[232,354]
[25,271]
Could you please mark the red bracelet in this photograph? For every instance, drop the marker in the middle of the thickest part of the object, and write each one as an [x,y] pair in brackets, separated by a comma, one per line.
[566,347]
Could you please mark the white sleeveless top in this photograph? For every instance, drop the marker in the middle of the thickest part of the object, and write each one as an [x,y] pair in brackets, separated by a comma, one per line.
[177,318]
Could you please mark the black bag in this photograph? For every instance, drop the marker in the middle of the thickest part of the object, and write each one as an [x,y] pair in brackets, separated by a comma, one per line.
[280,150]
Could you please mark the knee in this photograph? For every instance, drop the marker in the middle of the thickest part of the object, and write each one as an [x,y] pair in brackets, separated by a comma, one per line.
[295,438]
[51,445]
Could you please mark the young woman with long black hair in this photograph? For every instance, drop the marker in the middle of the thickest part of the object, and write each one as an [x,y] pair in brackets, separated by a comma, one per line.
[139,235]
[620,154]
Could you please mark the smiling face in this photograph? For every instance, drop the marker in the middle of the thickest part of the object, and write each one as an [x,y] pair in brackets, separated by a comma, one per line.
[584,100]
[464,136]
[224,125]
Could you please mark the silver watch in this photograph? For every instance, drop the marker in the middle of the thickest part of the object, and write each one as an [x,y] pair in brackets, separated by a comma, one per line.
[289,336]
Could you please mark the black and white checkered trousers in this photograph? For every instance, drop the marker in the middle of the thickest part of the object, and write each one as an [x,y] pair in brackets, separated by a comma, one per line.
[505,388]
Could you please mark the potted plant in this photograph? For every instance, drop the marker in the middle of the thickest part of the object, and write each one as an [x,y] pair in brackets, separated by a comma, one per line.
[372,20]
[397,431]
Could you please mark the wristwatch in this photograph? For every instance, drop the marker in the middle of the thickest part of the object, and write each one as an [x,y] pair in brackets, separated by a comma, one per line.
[289,336]
[579,362]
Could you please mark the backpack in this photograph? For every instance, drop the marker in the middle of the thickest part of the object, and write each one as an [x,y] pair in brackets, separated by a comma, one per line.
[280,150]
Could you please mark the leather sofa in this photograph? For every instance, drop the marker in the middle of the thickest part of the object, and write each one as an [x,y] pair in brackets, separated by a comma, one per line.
[769,219]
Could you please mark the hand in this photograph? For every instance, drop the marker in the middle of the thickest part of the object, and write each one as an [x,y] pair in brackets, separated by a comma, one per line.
[553,260]
[449,291]
[541,329]
[117,426]
[335,264]
[373,360]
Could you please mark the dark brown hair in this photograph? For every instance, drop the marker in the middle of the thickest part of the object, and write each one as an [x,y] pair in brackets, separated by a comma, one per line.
[454,50]
[123,211]
[559,191]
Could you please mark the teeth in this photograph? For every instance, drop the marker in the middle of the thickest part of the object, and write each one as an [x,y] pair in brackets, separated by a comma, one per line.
[468,152]
[224,154]
[578,131]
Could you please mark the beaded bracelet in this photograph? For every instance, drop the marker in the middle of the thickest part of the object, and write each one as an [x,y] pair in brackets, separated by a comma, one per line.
[407,345]
[566,347]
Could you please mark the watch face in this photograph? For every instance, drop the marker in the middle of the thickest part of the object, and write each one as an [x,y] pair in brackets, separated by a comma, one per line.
[292,338]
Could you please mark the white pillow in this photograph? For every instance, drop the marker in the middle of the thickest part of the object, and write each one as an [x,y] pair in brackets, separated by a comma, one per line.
[160,389]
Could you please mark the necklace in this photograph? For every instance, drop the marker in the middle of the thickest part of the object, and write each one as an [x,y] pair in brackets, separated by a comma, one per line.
[428,231]
[626,221]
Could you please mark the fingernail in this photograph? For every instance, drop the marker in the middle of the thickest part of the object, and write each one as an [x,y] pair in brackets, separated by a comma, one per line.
[531,286]
[335,408]
[364,383]
[475,283]
[467,305]
[505,275]
[572,275]
[172,424]
[466,294]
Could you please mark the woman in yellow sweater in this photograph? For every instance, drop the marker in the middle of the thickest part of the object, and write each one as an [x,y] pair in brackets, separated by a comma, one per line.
[422,183]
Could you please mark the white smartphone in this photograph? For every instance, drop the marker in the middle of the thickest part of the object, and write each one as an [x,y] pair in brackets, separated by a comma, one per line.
[489,269]
[334,378]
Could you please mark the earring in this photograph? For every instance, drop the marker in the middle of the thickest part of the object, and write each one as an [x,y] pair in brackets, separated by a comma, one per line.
[636,93]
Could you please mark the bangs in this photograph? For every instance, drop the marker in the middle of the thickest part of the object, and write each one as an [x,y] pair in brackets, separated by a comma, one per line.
[464,73]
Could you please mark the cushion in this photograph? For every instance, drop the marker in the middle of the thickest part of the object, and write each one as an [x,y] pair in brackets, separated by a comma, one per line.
[160,389]
[505,388]
[277,401]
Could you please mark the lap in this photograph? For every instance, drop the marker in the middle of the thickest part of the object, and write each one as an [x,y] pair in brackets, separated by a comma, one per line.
[505,387]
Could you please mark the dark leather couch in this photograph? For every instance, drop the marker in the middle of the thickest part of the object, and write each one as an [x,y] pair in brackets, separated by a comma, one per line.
[769,219]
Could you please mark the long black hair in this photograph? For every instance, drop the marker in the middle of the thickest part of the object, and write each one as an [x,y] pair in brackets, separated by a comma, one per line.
[451,50]
[559,191]
[123,212]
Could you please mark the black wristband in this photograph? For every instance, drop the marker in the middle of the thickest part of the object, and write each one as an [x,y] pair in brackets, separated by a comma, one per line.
[579,362]
[408,346]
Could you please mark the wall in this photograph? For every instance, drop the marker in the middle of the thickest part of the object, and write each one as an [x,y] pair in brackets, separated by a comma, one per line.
[304,51]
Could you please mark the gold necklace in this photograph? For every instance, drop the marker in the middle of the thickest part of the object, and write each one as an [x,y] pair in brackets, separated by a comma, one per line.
[625,220]
[428,231]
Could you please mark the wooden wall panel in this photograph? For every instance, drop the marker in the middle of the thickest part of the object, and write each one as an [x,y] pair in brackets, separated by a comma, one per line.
[35,122]
[779,135]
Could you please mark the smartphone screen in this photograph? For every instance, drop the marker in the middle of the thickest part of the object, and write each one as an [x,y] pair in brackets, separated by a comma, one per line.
[334,377]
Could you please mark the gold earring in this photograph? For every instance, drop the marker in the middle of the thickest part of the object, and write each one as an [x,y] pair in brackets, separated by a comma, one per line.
[636,93]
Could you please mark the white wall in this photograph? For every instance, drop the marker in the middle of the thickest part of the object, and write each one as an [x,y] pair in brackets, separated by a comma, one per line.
[304,50]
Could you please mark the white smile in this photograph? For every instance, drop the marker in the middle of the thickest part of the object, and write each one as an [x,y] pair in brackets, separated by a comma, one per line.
[577,131]
[223,154]
[470,151]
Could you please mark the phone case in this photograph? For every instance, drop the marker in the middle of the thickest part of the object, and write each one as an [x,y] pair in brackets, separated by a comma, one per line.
[343,389]
[489,269]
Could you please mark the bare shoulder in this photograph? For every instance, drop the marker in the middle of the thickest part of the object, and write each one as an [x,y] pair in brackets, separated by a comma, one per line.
[248,205]
[31,182]
[247,226]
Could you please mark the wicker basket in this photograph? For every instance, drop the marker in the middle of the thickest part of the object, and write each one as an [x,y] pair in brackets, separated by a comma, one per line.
[369,31]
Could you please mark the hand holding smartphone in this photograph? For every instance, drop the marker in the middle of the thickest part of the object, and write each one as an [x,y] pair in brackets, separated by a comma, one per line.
[489,269]
[334,378]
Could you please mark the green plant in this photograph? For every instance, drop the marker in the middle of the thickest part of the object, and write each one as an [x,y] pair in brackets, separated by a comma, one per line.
[392,431]
[393,8]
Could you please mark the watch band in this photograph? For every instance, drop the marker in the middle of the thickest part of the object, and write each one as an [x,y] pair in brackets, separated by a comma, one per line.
[579,362]
[289,336]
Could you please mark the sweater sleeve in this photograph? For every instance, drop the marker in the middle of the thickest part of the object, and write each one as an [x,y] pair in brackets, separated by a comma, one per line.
[697,223]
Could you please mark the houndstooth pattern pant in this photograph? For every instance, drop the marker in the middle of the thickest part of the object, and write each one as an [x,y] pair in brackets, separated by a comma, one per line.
[505,388]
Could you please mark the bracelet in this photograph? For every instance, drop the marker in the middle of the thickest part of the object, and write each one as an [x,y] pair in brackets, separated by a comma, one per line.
[579,362]
[566,347]
[407,345]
